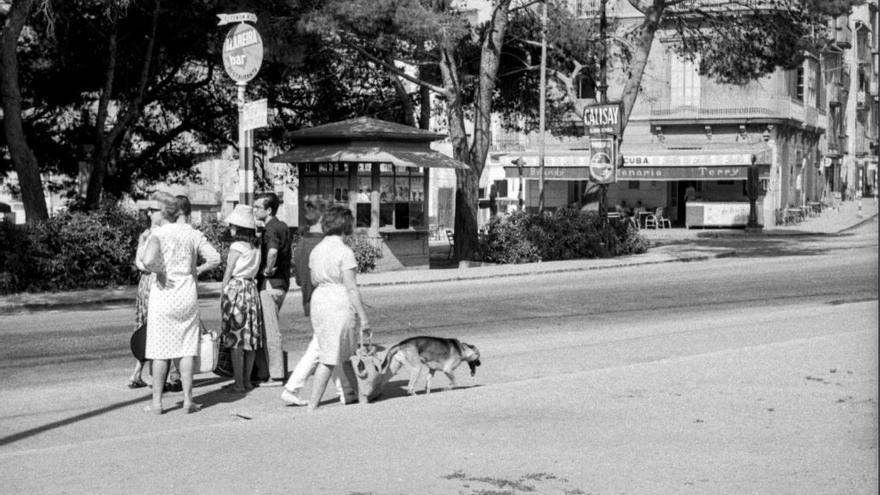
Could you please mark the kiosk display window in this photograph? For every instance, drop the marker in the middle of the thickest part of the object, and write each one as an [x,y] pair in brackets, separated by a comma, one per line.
[400,192]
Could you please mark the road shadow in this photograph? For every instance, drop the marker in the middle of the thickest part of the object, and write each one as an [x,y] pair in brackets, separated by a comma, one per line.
[751,247]
[396,389]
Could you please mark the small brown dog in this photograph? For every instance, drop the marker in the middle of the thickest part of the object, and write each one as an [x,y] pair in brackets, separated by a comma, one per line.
[436,353]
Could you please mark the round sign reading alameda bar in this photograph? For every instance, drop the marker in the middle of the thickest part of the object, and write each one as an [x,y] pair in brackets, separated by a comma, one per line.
[242,52]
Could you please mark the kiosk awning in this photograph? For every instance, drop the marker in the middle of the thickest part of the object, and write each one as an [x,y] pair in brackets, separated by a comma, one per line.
[355,153]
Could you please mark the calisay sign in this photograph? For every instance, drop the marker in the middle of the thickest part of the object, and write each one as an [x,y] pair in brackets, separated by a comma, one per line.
[604,118]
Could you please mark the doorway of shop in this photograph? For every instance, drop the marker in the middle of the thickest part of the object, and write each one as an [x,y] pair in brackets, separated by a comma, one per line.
[679,191]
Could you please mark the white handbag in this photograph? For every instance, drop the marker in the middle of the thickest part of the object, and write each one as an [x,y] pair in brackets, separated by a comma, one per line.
[209,351]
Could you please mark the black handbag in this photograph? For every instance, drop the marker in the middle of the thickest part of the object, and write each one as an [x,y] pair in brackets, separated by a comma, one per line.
[224,362]
[138,343]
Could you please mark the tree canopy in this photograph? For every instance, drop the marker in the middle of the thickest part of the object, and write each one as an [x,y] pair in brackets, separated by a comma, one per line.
[127,93]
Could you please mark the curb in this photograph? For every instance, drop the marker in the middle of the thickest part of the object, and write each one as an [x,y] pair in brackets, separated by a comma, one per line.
[13,308]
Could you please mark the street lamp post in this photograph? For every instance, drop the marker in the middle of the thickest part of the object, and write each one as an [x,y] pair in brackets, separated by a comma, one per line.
[752,189]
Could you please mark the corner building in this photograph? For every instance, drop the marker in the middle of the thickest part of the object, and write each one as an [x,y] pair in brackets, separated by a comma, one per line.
[689,133]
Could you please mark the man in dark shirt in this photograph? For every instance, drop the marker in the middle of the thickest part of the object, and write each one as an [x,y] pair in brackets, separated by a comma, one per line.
[273,280]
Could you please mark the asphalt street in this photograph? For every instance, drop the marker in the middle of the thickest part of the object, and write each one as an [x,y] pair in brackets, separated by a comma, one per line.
[751,374]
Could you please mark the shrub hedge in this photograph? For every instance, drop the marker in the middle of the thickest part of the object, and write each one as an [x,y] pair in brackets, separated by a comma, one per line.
[70,250]
[562,234]
[83,250]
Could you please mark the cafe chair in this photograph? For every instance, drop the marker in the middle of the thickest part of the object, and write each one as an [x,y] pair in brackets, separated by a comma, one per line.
[657,220]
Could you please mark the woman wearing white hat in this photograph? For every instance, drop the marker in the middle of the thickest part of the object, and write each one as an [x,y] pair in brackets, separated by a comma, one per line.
[240,309]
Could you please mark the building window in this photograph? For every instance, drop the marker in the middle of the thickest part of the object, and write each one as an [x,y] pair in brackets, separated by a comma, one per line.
[684,83]
[501,188]
[585,87]
[633,184]
[799,84]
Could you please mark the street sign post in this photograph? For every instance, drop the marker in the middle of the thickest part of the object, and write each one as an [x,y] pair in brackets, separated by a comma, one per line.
[242,52]
[242,58]
[603,119]
[256,114]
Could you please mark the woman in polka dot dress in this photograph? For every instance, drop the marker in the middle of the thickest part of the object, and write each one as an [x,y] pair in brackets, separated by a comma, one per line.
[173,310]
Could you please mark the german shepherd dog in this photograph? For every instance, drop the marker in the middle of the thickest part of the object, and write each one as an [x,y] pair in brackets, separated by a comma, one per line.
[436,353]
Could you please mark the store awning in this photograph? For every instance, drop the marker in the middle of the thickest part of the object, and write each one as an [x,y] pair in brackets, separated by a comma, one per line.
[651,161]
[360,153]
[550,173]
[736,172]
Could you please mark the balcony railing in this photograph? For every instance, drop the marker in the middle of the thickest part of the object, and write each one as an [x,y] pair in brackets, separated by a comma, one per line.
[780,107]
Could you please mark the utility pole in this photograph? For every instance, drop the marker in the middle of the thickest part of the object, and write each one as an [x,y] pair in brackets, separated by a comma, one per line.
[603,98]
[542,103]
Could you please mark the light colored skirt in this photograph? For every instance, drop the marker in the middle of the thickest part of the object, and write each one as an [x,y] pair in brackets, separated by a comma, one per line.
[333,321]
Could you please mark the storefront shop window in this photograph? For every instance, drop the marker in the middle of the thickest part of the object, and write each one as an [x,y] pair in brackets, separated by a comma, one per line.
[401,197]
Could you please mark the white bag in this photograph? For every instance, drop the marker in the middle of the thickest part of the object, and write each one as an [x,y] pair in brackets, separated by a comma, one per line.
[209,351]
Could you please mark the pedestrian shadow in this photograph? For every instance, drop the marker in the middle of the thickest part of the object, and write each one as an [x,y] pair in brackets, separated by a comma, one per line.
[9,439]
[15,437]
[223,395]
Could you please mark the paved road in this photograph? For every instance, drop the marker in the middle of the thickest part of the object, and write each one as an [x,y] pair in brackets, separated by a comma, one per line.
[741,375]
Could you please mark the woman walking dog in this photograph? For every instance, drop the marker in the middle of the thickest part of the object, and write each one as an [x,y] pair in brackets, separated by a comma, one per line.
[335,301]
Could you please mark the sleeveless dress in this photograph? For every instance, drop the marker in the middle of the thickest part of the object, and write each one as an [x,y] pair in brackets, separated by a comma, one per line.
[173,309]
[240,308]
[332,315]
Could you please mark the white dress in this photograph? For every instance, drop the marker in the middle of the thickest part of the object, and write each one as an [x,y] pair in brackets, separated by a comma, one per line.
[332,315]
[173,311]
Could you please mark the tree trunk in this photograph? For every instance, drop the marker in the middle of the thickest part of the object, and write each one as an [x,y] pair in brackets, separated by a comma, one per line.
[466,209]
[467,194]
[23,158]
[405,101]
[644,40]
[424,102]
[108,142]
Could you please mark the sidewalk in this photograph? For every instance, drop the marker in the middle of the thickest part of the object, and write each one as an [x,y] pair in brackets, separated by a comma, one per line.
[668,245]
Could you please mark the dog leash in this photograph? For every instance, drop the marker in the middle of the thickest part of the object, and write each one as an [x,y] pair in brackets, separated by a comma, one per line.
[385,314]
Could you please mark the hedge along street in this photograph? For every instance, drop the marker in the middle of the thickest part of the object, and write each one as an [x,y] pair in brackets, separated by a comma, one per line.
[679,245]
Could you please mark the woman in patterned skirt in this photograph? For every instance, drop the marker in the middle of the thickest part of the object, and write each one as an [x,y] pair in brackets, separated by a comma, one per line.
[240,308]
[173,310]
[143,294]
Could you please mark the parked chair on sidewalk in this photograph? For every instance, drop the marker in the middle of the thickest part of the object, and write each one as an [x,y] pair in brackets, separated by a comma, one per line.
[657,220]
[450,236]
